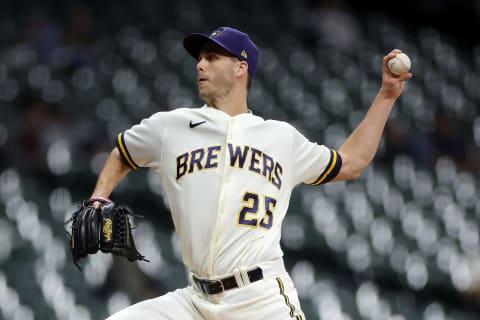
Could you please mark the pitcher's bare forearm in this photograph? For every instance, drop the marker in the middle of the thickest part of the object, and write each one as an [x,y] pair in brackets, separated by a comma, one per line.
[361,146]
[112,174]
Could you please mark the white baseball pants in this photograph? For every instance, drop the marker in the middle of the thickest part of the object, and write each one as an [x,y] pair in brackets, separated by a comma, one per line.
[273,297]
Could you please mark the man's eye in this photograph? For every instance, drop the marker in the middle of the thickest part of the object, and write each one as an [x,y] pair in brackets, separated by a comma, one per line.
[208,57]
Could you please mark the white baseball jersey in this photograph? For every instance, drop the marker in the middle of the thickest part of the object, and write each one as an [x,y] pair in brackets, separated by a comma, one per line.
[228,180]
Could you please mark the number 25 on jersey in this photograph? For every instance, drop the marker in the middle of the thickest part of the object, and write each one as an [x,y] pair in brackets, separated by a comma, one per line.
[249,214]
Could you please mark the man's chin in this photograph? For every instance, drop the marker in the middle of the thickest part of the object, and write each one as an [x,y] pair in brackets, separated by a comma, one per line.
[204,95]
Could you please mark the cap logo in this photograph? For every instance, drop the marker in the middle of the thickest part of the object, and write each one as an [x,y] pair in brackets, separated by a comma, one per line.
[244,54]
[217,32]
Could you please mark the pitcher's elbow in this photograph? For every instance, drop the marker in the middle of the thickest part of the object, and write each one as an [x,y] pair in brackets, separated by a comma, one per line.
[353,174]
[352,171]
[352,165]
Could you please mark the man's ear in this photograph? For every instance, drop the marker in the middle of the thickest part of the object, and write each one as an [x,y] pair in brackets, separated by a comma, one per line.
[242,67]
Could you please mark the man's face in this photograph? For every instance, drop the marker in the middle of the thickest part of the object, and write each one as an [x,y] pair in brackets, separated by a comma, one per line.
[215,72]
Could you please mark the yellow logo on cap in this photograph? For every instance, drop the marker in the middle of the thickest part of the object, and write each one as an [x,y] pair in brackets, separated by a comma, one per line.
[244,54]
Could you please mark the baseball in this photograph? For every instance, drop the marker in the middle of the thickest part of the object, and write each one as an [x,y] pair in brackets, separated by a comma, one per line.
[400,64]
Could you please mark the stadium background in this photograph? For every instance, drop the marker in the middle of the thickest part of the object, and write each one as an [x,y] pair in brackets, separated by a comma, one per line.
[402,242]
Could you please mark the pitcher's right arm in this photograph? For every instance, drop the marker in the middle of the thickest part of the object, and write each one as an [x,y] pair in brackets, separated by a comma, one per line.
[113,172]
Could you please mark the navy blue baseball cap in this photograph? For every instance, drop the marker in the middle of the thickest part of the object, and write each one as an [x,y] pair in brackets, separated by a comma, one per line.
[234,41]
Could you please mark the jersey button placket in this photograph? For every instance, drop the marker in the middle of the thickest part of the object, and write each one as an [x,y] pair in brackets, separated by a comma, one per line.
[230,140]
[222,198]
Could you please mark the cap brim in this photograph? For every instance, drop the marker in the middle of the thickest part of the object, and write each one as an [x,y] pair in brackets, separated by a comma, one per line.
[194,42]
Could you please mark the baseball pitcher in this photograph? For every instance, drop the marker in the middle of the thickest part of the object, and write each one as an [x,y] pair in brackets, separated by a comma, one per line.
[228,175]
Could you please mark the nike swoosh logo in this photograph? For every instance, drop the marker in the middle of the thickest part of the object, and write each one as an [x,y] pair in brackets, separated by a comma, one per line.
[193,125]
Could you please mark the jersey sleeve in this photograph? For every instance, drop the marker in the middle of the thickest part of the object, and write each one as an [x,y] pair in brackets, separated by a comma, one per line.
[313,164]
[140,146]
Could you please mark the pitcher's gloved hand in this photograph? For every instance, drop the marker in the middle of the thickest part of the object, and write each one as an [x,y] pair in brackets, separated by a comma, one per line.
[107,229]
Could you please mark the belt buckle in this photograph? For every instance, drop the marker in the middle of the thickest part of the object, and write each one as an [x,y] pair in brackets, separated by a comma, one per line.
[205,285]
[222,288]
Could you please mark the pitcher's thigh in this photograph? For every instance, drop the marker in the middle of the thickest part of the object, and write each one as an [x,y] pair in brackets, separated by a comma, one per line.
[171,306]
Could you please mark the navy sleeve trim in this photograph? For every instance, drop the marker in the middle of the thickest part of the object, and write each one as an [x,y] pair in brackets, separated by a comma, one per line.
[332,169]
[124,152]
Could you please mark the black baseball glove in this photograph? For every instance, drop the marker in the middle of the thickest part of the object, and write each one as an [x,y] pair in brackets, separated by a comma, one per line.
[107,229]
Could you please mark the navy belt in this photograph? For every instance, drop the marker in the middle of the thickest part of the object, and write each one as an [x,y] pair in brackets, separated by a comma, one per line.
[220,285]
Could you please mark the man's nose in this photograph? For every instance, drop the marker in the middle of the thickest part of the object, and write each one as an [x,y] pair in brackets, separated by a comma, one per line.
[201,64]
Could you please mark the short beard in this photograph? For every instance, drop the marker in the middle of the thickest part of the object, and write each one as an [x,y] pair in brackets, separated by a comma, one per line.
[209,99]
[212,98]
